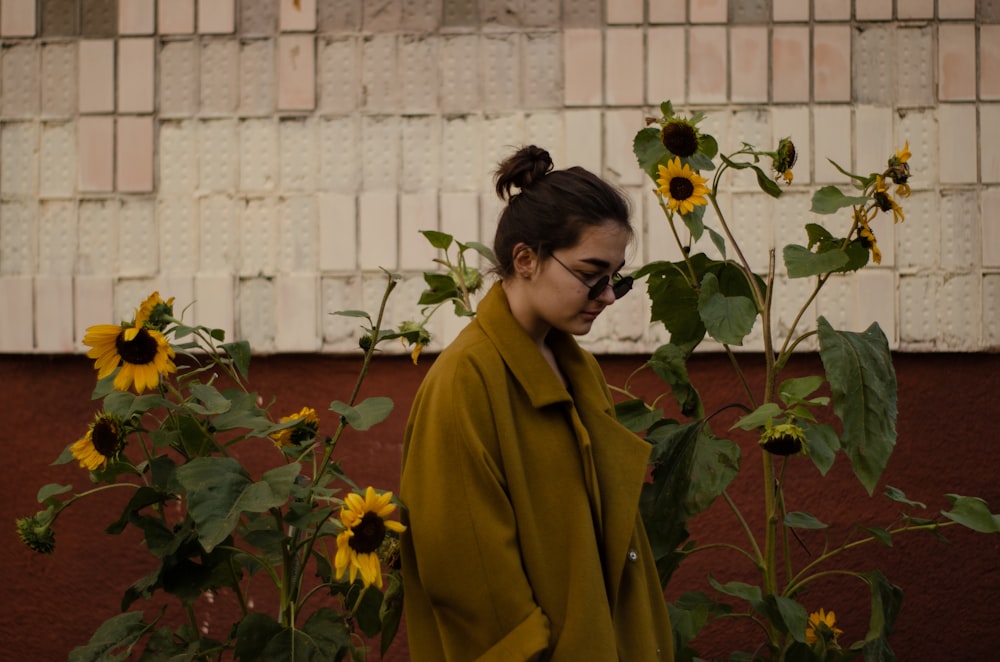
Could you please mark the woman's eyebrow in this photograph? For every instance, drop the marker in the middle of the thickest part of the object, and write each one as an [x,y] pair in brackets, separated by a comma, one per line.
[601,264]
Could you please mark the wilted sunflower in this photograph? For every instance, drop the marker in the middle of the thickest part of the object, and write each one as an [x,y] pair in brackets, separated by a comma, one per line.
[885,202]
[683,187]
[365,528]
[303,431]
[785,158]
[36,532]
[899,170]
[783,439]
[680,137]
[104,440]
[156,312]
[825,624]
[143,354]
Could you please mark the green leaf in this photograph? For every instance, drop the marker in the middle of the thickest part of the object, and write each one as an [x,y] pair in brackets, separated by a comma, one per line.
[326,628]
[797,389]
[441,287]
[668,362]
[801,520]
[794,617]
[748,592]
[219,489]
[365,414]
[52,490]
[766,184]
[239,352]
[366,611]
[391,611]
[881,535]
[822,444]
[195,438]
[973,513]
[802,263]
[437,239]
[861,376]
[636,415]
[213,402]
[897,495]
[143,497]
[707,146]
[695,221]
[649,150]
[113,639]
[728,319]
[758,417]
[830,199]
[353,313]
[886,601]
[718,240]
[483,250]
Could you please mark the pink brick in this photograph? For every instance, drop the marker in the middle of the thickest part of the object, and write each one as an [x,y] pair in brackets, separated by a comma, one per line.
[93,298]
[748,44]
[957,143]
[792,10]
[97,76]
[709,11]
[297,16]
[623,76]
[707,69]
[989,136]
[216,16]
[667,11]
[957,62]
[17,18]
[582,57]
[989,61]
[833,10]
[832,63]
[624,11]
[296,72]
[96,139]
[790,63]
[957,9]
[53,314]
[135,75]
[338,222]
[135,154]
[666,65]
[874,10]
[175,16]
[136,16]
[906,9]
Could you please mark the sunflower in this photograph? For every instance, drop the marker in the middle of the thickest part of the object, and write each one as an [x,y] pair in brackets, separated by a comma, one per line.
[683,187]
[783,439]
[104,440]
[680,137]
[784,159]
[155,312]
[899,170]
[36,532]
[143,354]
[885,202]
[365,528]
[303,431]
[825,624]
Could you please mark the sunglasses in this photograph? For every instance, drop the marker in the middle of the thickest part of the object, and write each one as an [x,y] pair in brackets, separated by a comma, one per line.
[620,285]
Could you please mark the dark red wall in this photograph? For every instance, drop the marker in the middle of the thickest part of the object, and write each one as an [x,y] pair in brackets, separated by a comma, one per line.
[947,443]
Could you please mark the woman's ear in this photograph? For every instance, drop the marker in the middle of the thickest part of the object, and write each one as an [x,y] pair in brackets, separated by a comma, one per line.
[525,260]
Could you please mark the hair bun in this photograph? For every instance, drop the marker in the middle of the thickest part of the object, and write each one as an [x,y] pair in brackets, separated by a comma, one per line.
[522,170]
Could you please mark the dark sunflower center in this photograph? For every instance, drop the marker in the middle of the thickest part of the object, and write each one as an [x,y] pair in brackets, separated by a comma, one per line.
[138,351]
[883,201]
[303,433]
[783,445]
[105,437]
[680,138]
[368,534]
[681,188]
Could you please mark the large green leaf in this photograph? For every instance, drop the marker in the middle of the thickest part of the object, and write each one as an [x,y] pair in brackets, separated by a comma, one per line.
[886,601]
[728,319]
[366,413]
[210,401]
[830,199]
[441,240]
[636,415]
[822,445]
[802,262]
[113,639]
[239,352]
[649,150]
[973,513]
[669,362]
[219,489]
[861,376]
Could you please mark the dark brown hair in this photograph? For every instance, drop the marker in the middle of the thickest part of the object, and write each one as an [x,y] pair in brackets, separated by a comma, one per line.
[552,207]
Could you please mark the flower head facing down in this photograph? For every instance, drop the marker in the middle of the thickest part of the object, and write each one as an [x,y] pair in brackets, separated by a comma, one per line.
[155,313]
[680,137]
[899,170]
[783,439]
[104,441]
[885,202]
[683,187]
[785,158]
[365,529]
[36,532]
[302,432]
[142,354]
[823,624]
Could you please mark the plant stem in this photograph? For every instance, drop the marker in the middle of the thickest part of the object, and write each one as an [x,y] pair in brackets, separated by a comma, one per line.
[759,560]
[723,545]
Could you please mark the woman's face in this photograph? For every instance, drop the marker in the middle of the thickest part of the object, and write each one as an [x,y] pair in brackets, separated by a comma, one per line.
[554,293]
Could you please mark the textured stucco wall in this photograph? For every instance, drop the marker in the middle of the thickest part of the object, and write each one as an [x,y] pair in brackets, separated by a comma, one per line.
[263,160]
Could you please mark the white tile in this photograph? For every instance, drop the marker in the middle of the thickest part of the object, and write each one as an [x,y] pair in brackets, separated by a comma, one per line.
[134,157]
[623,77]
[178,79]
[57,160]
[175,16]
[667,11]
[19,78]
[17,18]
[177,218]
[297,15]
[339,77]
[709,11]
[57,238]
[218,150]
[871,10]
[957,9]
[620,166]
[460,154]
[991,312]
[96,76]
[831,124]
[957,127]
[54,314]
[833,10]
[918,316]
[16,331]
[297,299]
[418,73]
[298,247]
[585,153]
[299,159]
[873,141]
[93,303]
[915,46]
[215,303]
[542,81]
[497,136]
[989,134]
[136,16]
[959,227]
[666,65]
[417,212]
[59,75]
[97,237]
[624,11]
[257,77]
[583,61]
[380,142]
[218,235]
[959,312]
[338,234]
[791,10]
[340,152]
[18,160]
[296,72]
[379,77]
[340,333]
[459,69]
[421,153]
[216,16]
[178,157]
[919,239]
[876,297]
[138,239]
[258,236]
[378,236]
[460,216]
[257,318]
[258,155]
[708,73]
[220,65]
[990,216]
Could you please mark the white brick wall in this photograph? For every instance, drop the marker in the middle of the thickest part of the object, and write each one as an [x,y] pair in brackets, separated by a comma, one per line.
[266,161]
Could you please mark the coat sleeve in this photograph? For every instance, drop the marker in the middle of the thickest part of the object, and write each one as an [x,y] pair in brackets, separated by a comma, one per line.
[461,549]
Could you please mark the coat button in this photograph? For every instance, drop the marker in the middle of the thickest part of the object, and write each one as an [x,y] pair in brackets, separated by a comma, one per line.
[633,555]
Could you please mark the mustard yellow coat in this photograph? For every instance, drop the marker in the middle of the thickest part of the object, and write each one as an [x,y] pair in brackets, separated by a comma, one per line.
[524,536]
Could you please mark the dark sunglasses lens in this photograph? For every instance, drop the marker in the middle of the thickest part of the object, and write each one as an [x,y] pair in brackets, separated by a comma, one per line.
[598,288]
[622,287]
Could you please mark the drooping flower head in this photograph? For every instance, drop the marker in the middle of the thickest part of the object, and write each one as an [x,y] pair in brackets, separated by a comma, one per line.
[36,532]
[303,431]
[104,441]
[142,353]
[680,136]
[681,186]
[885,202]
[783,439]
[365,529]
[155,312]
[899,170]
[785,158]
[823,624]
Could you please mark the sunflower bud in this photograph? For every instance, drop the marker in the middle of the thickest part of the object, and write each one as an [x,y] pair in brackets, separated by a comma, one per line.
[785,158]
[680,137]
[784,439]
[36,532]
[365,342]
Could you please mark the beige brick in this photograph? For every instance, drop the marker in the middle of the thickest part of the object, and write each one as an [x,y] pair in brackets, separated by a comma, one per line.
[177,219]
[175,16]
[460,216]
[297,16]
[97,237]
[990,216]
[871,10]
[17,18]
[667,11]
[378,235]
[340,76]
[56,238]
[915,46]
[832,63]
[709,11]
[832,10]
[95,150]
[421,153]
[620,166]
[220,65]
[218,235]
[749,73]
[666,65]
[790,63]
[624,11]
[178,79]
[340,152]
[257,77]
[791,10]
[623,79]
[919,239]
[461,154]
[831,124]
[542,81]
[296,72]
[417,212]
[959,228]
[989,61]
[258,234]
[299,157]
[873,140]
[137,238]
[418,74]
[215,303]
[583,147]
[136,16]
[97,76]
[178,157]
[54,314]
[298,243]
[259,154]
[218,150]
[959,312]
[708,72]
[216,16]
[16,331]
[956,155]
[459,69]
[57,171]
[93,303]
[257,320]
[134,154]
[907,9]
[18,161]
[135,75]
[59,72]
[957,9]
[989,137]
[338,234]
[379,78]
[583,62]
[956,61]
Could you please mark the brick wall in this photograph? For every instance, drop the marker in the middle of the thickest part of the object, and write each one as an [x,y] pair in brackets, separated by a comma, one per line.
[264,158]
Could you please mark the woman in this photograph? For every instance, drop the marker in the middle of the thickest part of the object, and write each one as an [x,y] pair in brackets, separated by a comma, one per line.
[524,540]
